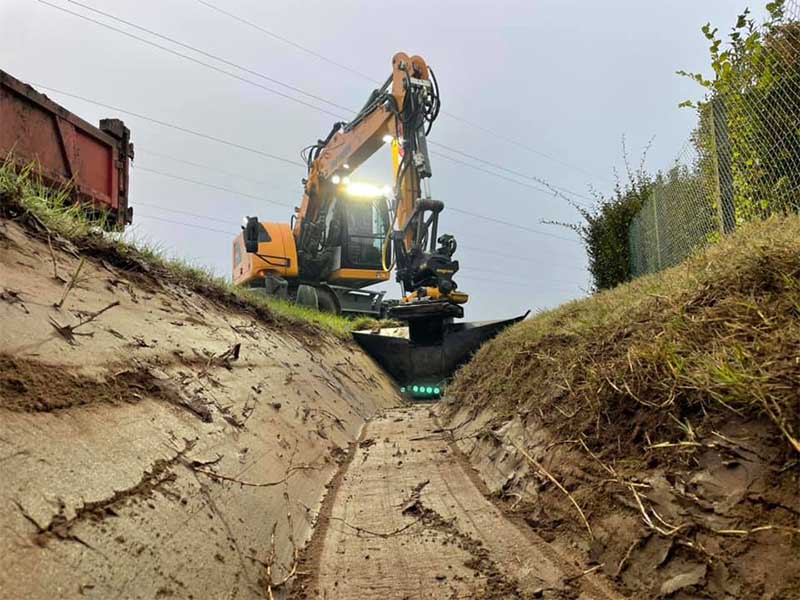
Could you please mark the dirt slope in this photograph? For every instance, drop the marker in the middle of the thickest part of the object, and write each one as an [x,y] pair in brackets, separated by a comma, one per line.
[153,451]
[407,520]
[654,429]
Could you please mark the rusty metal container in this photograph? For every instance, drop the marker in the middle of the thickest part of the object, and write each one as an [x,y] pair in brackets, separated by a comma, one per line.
[66,149]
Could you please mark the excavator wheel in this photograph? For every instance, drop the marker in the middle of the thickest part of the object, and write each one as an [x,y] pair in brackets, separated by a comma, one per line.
[318,297]
[327,300]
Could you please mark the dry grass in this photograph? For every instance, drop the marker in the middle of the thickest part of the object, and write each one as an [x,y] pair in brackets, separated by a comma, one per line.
[663,356]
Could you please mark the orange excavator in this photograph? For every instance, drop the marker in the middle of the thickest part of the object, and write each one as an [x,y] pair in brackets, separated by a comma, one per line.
[349,235]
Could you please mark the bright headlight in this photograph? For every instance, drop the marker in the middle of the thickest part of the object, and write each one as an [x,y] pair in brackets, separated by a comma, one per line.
[365,190]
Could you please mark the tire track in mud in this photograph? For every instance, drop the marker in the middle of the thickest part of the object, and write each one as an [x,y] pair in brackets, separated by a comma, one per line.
[404,518]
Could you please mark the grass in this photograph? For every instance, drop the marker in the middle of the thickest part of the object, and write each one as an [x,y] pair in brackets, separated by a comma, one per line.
[714,339]
[25,197]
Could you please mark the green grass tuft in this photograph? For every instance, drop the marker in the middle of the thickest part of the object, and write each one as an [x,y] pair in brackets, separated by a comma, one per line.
[55,210]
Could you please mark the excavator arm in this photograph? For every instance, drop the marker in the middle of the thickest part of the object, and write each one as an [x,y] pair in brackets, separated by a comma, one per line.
[401,112]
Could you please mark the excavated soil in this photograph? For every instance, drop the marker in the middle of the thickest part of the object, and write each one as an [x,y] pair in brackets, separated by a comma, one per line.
[32,386]
[159,448]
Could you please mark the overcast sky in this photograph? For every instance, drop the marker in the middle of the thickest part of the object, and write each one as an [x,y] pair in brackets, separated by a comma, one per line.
[563,79]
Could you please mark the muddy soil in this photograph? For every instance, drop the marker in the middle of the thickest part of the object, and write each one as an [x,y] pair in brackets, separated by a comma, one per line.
[408,518]
[718,518]
[161,447]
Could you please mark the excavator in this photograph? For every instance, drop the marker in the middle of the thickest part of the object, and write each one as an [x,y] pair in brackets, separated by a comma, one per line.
[348,235]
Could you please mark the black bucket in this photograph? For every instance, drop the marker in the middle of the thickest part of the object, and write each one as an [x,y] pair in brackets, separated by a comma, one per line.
[428,361]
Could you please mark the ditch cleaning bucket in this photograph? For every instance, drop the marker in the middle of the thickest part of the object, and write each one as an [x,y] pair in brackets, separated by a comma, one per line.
[427,352]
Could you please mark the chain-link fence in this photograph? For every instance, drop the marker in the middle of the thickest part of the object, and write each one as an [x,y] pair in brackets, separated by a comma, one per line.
[742,161]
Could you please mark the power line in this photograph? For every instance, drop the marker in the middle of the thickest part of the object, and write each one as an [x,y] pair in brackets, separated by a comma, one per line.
[453,209]
[183,212]
[288,161]
[201,51]
[471,269]
[199,134]
[213,187]
[278,82]
[519,257]
[225,221]
[186,56]
[509,224]
[555,189]
[491,280]
[206,167]
[193,226]
[519,144]
[289,42]
[493,174]
[233,234]
[328,60]
[200,216]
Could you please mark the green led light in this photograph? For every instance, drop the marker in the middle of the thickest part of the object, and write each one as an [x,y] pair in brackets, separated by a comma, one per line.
[402,390]
[429,390]
[436,391]
[415,388]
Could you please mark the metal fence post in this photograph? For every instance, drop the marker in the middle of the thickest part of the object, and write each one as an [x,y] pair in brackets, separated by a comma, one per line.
[654,199]
[723,186]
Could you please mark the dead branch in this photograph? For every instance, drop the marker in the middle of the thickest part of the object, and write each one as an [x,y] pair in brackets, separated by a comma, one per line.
[649,522]
[289,473]
[68,331]
[555,481]
[516,502]
[56,276]
[221,360]
[204,463]
[363,530]
[584,573]
[292,570]
[71,283]
[338,421]
[230,355]
[271,561]
[626,557]
[13,297]
[769,527]
[608,468]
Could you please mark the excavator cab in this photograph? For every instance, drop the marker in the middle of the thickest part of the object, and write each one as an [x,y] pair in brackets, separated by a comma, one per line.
[358,228]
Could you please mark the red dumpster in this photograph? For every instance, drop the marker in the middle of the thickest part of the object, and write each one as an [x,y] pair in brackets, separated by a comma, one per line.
[67,149]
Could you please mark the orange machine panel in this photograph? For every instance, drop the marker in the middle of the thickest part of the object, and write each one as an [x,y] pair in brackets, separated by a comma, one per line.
[276,255]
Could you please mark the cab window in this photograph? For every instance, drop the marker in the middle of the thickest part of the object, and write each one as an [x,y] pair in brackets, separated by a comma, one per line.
[367,222]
